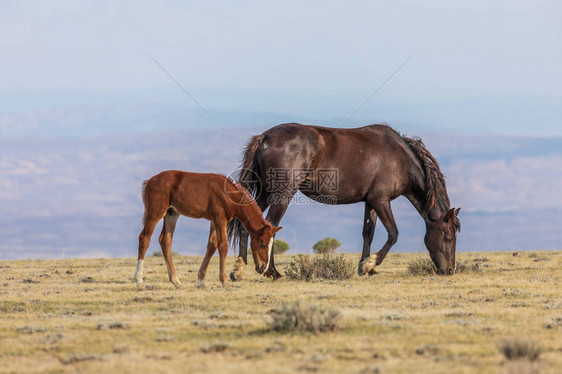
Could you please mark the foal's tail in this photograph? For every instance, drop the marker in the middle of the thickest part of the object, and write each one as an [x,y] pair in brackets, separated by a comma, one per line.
[143,192]
[251,180]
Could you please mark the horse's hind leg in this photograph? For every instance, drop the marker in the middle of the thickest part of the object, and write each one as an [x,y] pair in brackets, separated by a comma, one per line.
[165,240]
[144,241]
[211,248]
[367,263]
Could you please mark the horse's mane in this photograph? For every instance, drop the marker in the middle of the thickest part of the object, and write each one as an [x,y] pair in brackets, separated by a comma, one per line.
[436,190]
[247,198]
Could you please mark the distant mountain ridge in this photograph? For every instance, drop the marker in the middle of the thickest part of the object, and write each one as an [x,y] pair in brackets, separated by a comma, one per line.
[79,196]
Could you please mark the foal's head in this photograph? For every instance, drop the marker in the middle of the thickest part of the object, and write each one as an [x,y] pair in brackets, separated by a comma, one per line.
[261,243]
[441,241]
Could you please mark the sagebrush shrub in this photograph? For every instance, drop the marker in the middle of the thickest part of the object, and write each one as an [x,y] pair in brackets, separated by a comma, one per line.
[305,267]
[421,266]
[280,246]
[515,348]
[326,245]
[299,316]
[424,266]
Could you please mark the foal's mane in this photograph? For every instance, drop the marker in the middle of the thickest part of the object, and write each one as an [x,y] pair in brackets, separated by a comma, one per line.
[247,198]
[436,190]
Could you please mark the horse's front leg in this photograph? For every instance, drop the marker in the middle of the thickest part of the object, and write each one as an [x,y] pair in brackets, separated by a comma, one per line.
[274,216]
[382,209]
[369,222]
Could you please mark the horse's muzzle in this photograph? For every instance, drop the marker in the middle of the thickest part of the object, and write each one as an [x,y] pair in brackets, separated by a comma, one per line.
[260,268]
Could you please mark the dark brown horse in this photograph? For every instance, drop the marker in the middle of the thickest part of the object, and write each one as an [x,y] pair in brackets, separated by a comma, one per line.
[372,164]
[211,196]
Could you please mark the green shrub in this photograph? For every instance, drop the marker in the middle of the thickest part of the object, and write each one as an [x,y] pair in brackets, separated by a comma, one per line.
[326,245]
[298,316]
[280,246]
[305,267]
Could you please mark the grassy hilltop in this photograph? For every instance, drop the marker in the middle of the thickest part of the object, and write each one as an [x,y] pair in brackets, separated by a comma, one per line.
[62,316]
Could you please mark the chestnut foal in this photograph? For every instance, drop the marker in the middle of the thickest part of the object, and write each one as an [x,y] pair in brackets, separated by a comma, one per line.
[212,196]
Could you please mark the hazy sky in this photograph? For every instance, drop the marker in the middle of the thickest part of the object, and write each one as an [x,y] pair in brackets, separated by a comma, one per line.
[304,57]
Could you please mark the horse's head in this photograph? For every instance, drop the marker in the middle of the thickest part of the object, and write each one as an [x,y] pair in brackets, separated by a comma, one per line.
[261,243]
[441,241]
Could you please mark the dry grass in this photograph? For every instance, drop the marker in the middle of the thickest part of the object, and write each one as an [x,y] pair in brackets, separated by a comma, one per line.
[67,316]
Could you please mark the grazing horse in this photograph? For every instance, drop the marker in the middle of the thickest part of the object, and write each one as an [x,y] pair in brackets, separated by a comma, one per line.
[211,196]
[371,164]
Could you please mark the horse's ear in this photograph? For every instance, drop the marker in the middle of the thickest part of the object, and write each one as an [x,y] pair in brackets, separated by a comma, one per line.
[449,215]
[457,212]
[275,229]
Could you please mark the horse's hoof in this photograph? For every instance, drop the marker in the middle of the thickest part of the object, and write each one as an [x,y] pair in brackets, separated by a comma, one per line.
[236,276]
[238,271]
[273,273]
[367,266]
[140,287]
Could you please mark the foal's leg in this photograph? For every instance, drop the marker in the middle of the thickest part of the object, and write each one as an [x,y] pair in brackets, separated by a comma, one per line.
[165,240]
[222,239]
[211,248]
[382,208]
[144,241]
[369,222]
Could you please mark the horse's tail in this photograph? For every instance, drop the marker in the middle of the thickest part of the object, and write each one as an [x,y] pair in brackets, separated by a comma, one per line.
[434,179]
[143,192]
[250,179]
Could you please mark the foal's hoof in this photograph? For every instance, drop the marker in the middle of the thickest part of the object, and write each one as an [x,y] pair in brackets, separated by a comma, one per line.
[140,286]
